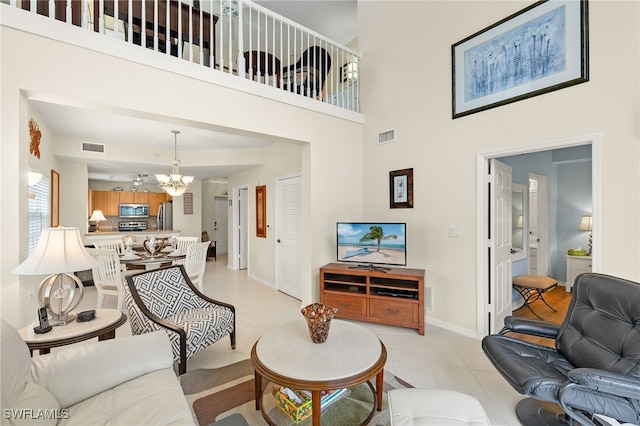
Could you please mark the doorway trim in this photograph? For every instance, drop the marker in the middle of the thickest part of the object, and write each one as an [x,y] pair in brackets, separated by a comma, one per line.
[482,216]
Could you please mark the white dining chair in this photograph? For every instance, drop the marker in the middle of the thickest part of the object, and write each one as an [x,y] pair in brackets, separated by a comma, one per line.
[107,276]
[115,244]
[182,243]
[195,262]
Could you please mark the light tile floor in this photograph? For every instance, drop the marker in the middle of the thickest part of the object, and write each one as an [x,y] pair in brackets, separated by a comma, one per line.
[440,359]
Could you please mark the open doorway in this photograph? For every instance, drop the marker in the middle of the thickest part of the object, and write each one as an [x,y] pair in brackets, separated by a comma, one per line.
[487,318]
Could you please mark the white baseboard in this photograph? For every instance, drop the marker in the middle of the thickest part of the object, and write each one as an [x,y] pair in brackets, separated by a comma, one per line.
[452,327]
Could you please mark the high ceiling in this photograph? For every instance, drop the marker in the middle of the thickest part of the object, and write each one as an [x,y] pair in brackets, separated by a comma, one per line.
[334,19]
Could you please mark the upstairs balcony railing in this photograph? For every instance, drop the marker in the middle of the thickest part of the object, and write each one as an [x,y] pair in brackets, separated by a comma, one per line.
[237,37]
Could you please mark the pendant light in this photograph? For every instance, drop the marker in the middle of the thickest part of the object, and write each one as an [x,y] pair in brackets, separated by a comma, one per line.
[174,184]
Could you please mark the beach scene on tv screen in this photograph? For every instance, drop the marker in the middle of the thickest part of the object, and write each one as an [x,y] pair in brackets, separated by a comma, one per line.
[382,243]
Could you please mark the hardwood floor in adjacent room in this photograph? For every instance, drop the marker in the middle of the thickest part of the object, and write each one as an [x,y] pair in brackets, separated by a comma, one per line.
[559,299]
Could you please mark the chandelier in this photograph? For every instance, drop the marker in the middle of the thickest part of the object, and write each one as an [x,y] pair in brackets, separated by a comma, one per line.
[174,184]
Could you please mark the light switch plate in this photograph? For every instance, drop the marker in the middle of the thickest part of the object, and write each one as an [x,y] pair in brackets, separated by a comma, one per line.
[454,232]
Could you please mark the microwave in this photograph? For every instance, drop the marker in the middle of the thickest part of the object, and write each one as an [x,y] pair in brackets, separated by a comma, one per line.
[130,211]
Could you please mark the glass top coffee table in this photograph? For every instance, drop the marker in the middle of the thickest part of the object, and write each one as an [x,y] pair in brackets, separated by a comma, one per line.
[351,355]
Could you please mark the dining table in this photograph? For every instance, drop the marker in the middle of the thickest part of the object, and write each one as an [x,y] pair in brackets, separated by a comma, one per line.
[142,260]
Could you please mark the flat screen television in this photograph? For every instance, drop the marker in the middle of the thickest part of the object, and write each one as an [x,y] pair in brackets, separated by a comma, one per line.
[371,244]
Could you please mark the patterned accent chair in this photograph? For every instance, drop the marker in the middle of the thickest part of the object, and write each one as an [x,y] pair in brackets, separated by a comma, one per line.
[165,299]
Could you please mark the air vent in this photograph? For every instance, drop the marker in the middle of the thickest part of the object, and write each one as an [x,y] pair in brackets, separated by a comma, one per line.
[92,147]
[386,137]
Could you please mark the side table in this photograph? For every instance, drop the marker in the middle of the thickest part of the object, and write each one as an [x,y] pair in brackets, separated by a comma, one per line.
[351,355]
[576,265]
[103,327]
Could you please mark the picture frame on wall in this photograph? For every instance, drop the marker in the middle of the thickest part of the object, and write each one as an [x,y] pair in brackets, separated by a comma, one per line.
[537,50]
[55,199]
[401,189]
[261,211]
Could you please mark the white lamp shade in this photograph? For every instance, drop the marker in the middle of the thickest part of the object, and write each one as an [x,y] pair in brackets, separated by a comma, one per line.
[163,178]
[188,179]
[97,216]
[175,191]
[586,223]
[59,250]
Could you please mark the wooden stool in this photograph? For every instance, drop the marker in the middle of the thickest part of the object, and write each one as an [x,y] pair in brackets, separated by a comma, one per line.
[531,288]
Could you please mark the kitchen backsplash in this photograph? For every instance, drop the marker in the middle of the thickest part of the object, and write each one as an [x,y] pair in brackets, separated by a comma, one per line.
[111,224]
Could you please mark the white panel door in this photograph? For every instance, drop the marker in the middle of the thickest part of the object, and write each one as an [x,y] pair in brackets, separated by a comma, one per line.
[500,242]
[288,202]
[220,228]
[243,228]
[539,232]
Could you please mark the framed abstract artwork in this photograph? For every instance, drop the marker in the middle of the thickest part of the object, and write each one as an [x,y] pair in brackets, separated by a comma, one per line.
[542,48]
[401,189]
[261,211]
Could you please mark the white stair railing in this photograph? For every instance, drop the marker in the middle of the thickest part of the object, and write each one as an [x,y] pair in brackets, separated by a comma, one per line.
[237,37]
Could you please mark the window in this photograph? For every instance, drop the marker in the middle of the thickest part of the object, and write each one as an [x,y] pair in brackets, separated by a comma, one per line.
[39,216]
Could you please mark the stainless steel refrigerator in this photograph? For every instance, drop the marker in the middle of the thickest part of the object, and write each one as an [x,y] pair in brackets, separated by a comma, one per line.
[165,216]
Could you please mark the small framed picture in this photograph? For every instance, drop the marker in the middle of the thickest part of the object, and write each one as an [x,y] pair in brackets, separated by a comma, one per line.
[55,199]
[401,189]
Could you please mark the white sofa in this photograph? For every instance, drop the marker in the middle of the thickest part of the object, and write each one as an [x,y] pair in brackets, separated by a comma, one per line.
[125,381]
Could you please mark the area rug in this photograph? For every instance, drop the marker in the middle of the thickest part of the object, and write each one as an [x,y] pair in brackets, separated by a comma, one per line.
[225,397]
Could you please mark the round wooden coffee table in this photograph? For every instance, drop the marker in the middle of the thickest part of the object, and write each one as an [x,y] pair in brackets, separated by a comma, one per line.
[103,327]
[351,355]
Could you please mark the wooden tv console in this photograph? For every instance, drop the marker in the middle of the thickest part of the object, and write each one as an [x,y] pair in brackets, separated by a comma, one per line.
[393,297]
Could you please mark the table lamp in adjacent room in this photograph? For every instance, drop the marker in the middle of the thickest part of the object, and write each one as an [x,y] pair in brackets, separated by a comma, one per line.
[96,217]
[60,252]
[586,224]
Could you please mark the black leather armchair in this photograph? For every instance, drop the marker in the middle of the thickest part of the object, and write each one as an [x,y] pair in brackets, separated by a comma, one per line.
[594,367]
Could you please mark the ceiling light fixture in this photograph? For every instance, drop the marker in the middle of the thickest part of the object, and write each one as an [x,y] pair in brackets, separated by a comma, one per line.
[139,179]
[174,184]
[230,8]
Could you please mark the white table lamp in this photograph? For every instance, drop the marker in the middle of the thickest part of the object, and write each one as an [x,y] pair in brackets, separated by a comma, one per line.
[96,217]
[586,224]
[59,253]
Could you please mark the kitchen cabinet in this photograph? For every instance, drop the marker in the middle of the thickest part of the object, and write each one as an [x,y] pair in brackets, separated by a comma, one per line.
[134,197]
[107,201]
[576,265]
[155,198]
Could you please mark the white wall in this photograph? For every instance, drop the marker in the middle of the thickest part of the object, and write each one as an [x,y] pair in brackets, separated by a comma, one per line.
[442,151]
[280,159]
[107,82]
[189,225]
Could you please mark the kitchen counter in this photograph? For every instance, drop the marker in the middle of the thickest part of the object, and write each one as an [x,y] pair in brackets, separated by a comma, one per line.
[90,237]
[146,231]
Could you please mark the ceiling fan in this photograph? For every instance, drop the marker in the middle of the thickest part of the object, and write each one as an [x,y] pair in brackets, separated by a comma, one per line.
[139,179]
